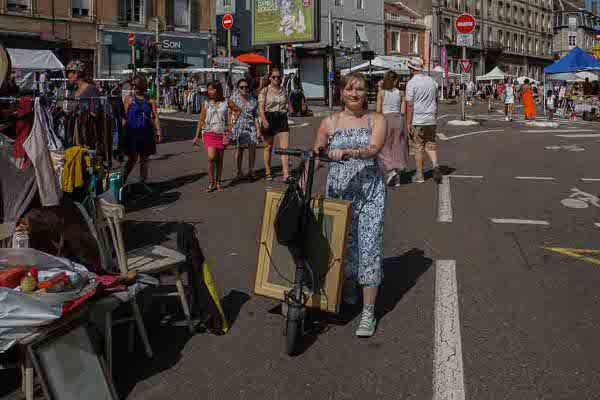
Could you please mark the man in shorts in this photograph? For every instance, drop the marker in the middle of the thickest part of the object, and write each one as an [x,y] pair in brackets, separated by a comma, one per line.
[421,119]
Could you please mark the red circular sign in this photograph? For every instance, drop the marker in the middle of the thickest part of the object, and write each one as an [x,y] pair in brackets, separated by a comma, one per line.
[227,21]
[465,23]
[131,38]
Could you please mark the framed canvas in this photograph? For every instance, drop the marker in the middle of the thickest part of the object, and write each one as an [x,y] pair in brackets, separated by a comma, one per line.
[325,249]
[69,366]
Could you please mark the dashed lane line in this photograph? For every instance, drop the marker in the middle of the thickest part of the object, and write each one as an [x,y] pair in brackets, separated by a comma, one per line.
[519,221]
[471,134]
[448,375]
[534,178]
[550,130]
[444,201]
[583,135]
[590,179]
[466,176]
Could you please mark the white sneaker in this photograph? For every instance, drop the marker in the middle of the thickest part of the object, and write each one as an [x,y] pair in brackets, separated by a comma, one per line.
[368,323]
[506,119]
[391,177]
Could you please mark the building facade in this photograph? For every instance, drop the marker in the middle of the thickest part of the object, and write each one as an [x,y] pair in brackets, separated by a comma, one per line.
[515,35]
[404,29]
[66,27]
[576,23]
[187,32]
[355,26]
[96,31]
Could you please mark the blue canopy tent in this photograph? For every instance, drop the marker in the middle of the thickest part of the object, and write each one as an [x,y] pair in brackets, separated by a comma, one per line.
[574,61]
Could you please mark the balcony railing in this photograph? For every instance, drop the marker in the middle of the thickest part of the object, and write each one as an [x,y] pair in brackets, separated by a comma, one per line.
[493,45]
[404,19]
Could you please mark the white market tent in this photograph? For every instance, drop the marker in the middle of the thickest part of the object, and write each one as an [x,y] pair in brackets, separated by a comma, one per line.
[573,76]
[521,80]
[34,60]
[382,63]
[440,71]
[494,75]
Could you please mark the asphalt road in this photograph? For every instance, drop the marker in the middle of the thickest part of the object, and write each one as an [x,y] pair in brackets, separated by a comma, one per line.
[477,307]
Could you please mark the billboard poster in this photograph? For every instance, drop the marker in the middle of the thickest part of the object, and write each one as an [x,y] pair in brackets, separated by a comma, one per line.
[284,21]
[225,7]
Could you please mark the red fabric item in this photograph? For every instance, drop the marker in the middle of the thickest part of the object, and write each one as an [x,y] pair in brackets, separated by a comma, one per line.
[106,284]
[23,128]
[253,58]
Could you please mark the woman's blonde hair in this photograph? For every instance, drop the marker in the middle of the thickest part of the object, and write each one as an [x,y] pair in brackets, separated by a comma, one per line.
[350,79]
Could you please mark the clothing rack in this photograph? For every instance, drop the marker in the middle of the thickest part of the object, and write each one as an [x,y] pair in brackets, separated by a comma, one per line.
[13,99]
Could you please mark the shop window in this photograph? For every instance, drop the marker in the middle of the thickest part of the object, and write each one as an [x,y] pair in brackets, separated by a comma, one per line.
[395,44]
[414,43]
[132,10]
[81,8]
[338,3]
[19,5]
[360,4]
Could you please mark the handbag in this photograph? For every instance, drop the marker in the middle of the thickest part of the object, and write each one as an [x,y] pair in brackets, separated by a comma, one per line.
[290,216]
[227,137]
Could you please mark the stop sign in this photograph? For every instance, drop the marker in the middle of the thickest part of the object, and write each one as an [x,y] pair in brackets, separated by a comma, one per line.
[227,21]
[131,38]
[465,23]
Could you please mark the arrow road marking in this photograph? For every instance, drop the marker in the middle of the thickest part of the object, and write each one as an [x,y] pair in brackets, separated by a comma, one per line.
[448,374]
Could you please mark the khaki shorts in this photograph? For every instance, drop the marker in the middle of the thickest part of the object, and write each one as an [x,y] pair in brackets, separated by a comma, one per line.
[422,138]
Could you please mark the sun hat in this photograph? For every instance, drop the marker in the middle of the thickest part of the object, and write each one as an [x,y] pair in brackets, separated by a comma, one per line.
[416,63]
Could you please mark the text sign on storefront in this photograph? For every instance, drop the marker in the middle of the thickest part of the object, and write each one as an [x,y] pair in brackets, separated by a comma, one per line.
[464,40]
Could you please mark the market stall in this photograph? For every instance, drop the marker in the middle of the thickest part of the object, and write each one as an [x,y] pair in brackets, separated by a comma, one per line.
[575,71]
[32,67]
[380,65]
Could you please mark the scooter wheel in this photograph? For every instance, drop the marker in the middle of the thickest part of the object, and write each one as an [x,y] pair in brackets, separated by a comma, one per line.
[293,330]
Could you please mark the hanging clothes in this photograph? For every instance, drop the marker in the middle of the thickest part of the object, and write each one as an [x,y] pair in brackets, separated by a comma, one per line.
[25,107]
[72,175]
[36,146]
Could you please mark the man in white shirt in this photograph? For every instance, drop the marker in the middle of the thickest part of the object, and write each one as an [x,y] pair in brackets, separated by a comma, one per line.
[421,119]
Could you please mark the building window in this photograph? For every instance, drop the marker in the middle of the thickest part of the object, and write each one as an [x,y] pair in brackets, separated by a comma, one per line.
[477,7]
[537,46]
[132,10]
[360,4]
[508,13]
[395,44]
[182,12]
[522,43]
[361,35]
[413,40]
[490,8]
[501,37]
[523,17]
[338,3]
[19,5]
[572,22]
[80,8]
[516,42]
[468,6]
[572,40]
[500,11]
[338,33]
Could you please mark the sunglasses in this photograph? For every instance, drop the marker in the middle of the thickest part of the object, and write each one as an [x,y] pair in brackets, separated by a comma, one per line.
[243,87]
[276,77]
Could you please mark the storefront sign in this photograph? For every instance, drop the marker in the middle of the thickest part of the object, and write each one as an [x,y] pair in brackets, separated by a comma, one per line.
[284,21]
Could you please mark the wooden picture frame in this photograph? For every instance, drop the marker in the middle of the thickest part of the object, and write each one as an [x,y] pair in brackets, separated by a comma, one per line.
[69,366]
[326,248]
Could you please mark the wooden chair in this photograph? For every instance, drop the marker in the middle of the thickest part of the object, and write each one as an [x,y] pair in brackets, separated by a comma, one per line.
[107,305]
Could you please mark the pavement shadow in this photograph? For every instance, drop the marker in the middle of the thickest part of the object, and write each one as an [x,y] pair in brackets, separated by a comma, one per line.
[406,175]
[400,275]
[138,198]
[232,305]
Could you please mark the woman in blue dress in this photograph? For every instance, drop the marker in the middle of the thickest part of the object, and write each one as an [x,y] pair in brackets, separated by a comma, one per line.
[245,128]
[359,134]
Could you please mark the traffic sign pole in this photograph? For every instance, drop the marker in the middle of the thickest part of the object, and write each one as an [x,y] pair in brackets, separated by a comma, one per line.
[465,24]
[131,41]
[227,23]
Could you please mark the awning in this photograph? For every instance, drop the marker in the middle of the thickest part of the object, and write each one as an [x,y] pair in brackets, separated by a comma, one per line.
[494,75]
[385,63]
[574,61]
[362,34]
[253,58]
[34,60]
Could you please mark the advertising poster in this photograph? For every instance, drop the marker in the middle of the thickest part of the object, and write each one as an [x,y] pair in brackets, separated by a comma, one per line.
[284,21]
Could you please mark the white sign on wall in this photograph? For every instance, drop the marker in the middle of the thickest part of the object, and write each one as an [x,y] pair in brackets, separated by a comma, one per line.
[464,40]
[225,7]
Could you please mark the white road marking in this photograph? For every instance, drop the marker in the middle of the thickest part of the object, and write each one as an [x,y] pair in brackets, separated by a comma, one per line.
[467,176]
[300,126]
[534,178]
[518,221]
[583,135]
[590,179]
[441,136]
[444,201]
[597,224]
[448,374]
[557,130]
[474,133]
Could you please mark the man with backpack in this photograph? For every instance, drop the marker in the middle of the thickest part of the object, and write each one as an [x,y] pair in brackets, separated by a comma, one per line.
[142,129]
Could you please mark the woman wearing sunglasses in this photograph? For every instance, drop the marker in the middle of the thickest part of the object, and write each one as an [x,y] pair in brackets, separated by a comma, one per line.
[245,130]
[272,105]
